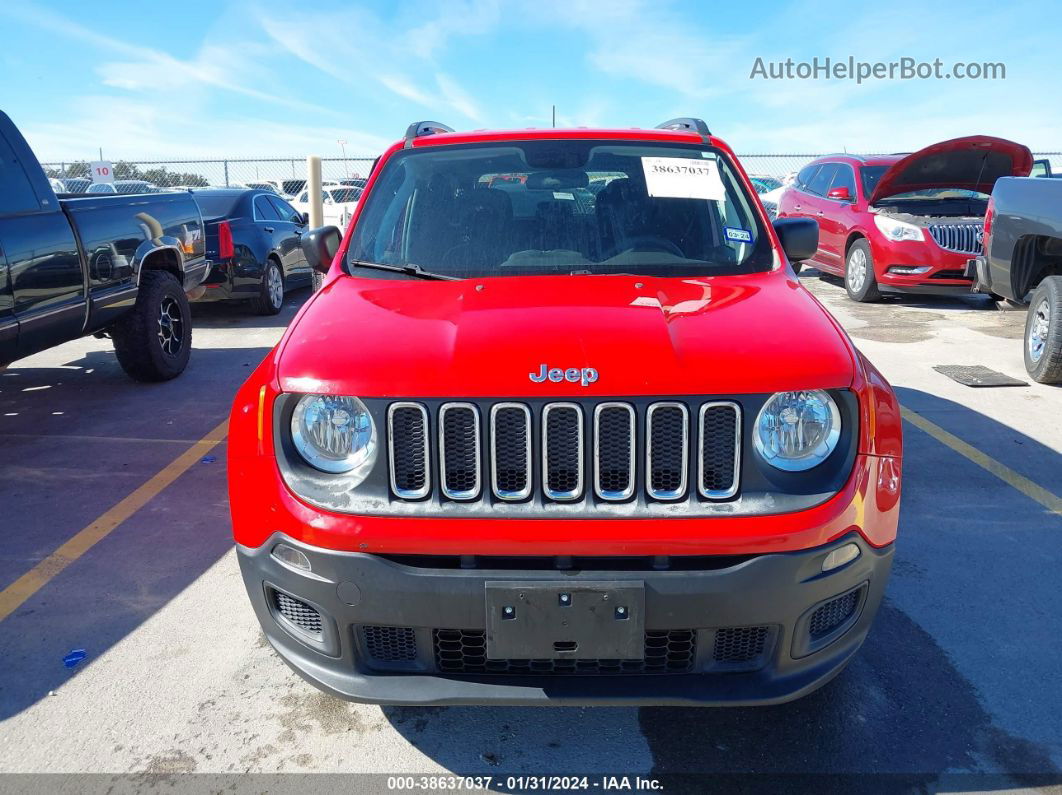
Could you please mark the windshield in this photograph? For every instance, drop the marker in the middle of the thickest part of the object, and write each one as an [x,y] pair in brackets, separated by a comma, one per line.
[559,207]
[765,184]
[345,195]
[213,205]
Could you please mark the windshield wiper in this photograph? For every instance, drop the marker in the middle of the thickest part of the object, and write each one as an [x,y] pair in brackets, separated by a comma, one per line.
[412,270]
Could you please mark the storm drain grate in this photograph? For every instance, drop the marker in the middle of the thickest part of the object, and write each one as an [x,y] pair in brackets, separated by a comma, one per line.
[976,375]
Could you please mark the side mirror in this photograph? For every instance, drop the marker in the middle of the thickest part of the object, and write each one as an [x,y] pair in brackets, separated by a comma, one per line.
[320,246]
[305,217]
[799,237]
[841,194]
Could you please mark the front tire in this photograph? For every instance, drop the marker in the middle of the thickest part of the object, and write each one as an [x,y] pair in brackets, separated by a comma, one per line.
[270,298]
[154,341]
[1043,332]
[859,278]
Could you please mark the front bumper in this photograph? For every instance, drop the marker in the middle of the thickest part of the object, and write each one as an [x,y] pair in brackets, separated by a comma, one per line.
[946,274]
[760,605]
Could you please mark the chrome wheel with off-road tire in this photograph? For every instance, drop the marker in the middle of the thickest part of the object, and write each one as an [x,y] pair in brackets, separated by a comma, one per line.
[154,341]
[1043,332]
[270,298]
[859,278]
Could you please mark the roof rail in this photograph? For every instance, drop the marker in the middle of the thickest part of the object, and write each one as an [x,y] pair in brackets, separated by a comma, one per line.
[686,123]
[420,128]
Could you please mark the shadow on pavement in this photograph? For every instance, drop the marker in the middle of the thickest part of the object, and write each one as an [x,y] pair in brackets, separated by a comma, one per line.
[75,440]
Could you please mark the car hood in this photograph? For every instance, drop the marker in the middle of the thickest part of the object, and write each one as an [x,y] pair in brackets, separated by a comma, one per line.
[973,163]
[486,338]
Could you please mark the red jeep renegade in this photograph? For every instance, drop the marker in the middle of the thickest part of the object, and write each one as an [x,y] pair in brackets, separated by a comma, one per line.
[562,426]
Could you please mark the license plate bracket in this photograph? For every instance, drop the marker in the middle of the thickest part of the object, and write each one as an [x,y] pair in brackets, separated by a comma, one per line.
[559,620]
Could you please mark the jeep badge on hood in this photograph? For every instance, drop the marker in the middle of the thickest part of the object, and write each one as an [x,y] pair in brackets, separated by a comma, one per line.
[585,376]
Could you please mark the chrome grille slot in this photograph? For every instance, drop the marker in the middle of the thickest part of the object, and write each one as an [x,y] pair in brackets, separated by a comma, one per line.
[963,238]
[614,451]
[667,450]
[719,441]
[510,461]
[407,435]
[562,451]
[459,446]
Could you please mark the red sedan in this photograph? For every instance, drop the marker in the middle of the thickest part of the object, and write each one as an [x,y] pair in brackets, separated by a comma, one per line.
[903,223]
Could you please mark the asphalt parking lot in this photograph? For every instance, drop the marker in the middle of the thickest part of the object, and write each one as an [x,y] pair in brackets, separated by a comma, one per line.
[961,674]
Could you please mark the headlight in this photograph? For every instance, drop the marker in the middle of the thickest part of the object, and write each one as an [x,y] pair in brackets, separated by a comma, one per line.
[335,434]
[897,230]
[797,430]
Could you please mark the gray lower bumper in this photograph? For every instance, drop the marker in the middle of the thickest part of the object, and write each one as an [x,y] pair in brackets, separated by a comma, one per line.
[353,590]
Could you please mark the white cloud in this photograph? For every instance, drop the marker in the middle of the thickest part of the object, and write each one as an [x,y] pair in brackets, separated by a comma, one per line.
[457,98]
[404,88]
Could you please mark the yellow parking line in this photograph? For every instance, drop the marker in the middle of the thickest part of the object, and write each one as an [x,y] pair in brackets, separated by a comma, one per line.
[12,597]
[1033,491]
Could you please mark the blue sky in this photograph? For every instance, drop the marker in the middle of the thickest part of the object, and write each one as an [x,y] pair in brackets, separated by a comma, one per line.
[248,78]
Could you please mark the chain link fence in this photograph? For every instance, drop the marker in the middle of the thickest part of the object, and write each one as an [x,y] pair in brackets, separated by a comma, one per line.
[288,174]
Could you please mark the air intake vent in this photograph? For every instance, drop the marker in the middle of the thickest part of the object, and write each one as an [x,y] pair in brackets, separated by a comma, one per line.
[390,644]
[833,614]
[298,613]
[408,440]
[464,651]
[720,443]
[667,450]
[614,451]
[739,644]
[562,450]
[459,441]
[511,447]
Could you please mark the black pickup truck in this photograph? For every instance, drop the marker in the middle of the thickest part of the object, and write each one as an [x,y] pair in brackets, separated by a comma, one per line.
[112,265]
[1022,263]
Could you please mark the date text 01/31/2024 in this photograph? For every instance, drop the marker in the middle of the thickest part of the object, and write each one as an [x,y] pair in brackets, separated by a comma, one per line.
[523,783]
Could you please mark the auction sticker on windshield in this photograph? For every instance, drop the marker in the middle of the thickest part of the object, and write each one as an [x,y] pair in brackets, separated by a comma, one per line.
[683,178]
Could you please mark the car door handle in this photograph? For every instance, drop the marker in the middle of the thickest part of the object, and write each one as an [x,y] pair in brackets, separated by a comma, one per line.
[298,233]
[796,206]
[268,228]
[821,212]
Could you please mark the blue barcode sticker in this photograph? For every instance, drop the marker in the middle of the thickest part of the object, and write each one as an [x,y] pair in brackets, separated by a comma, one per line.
[738,235]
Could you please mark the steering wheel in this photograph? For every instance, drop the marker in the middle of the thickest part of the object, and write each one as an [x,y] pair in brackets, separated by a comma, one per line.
[650,243]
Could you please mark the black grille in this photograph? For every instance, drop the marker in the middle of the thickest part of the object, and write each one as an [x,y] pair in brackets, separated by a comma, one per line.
[409,451]
[720,433]
[832,614]
[464,651]
[390,644]
[298,613]
[563,460]
[739,644]
[949,274]
[511,439]
[615,448]
[460,433]
[565,452]
[667,451]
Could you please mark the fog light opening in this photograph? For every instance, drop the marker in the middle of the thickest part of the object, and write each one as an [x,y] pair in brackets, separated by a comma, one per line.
[291,557]
[840,556]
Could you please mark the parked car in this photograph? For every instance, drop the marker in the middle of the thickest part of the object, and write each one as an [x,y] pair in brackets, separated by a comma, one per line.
[903,223]
[764,184]
[287,188]
[1022,263]
[509,444]
[254,239]
[75,184]
[352,182]
[339,203]
[104,265]
[124,186]
[269,186]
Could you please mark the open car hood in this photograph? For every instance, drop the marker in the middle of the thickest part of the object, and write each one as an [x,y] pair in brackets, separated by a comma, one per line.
[973,163]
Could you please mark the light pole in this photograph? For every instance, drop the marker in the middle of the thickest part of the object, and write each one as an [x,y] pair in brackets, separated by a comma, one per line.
[343,148]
